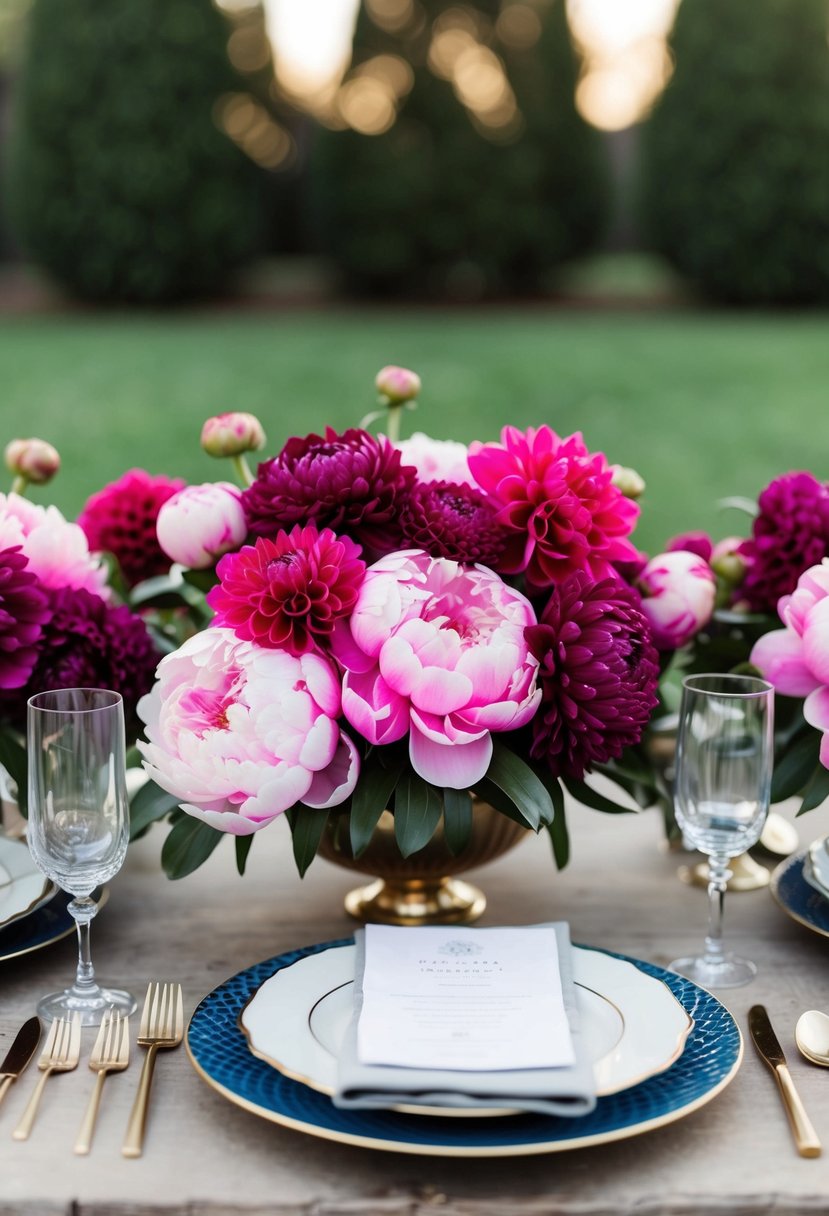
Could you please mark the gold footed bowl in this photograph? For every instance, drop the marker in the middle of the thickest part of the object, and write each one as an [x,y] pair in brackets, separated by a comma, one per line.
[422,889]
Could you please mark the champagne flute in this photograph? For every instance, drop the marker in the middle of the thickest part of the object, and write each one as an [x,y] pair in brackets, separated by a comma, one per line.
[79,822]
[725,755]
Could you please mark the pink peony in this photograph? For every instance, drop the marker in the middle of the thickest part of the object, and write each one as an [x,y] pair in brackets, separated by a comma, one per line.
[240,734]
[559,502]
[436,459]
[288,593]
[57,551]
[678,591]
[121,518]
[796,659]
[200,523]
[437,650]
[34,460]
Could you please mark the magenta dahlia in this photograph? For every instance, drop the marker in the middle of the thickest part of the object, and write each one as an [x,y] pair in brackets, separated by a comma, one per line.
[790,534]
[120,519]
[598,674]
[353,483]
[24,612]
[91,644]
[287,593]
[454,521]
[559,503]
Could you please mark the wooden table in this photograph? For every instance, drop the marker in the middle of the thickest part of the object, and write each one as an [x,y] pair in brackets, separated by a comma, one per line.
[204,1155]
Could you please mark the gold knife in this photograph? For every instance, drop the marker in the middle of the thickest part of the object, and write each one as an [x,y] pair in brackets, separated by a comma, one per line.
[766,1042]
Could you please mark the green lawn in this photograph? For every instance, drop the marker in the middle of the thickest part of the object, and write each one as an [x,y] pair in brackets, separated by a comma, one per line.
[703,404]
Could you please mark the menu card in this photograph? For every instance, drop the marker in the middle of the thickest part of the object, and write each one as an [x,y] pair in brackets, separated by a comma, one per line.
[444,997]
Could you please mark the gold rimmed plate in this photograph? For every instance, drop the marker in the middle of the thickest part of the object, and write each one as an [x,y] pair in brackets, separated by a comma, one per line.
[48,923]
[23,887]
[798,898]
[218,1050]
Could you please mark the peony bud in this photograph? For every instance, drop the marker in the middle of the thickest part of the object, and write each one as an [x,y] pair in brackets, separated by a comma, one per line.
[678,591]
[200,523]
[728,562]
[397,384]
[33,460]
[232,435]
[694,542]
[628,481]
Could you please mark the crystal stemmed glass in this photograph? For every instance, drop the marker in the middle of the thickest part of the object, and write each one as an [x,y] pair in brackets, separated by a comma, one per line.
[79,821]
[725,754]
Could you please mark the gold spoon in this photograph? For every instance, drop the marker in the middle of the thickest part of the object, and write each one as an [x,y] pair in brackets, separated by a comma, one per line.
[812,1036]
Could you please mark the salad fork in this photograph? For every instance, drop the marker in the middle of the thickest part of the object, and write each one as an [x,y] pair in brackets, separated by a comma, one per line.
[162,1026]
[111,1053]
[61,1054]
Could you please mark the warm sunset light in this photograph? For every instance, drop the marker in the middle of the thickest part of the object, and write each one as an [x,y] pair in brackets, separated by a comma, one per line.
[623,41]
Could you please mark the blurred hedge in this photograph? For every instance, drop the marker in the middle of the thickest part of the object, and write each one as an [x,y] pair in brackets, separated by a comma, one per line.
[736,155]
[121,184]
[443,203]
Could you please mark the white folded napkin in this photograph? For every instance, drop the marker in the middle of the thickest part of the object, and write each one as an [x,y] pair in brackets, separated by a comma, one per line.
[568,1090]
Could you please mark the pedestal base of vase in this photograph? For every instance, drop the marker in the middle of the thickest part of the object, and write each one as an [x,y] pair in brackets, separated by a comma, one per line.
[746,874]
[442,901]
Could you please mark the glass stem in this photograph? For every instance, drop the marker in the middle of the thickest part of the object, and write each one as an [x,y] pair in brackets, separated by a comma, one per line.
[718,876]
[83,910]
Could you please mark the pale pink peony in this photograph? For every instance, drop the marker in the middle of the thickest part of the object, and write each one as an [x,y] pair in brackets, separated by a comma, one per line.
[796,659]
[57,551]
[200,523]
[240,733]
[436,459]
[678,591]
[437,649]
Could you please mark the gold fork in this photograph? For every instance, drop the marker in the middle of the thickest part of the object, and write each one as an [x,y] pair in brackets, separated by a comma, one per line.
[162,1025]
[111,1053]
[61,1054]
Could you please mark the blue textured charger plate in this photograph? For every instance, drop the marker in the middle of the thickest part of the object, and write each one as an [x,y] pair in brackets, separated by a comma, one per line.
[40,928]
[797,898]
[218,1050]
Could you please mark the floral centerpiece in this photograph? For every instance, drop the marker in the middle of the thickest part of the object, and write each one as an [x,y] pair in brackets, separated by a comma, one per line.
[400,625]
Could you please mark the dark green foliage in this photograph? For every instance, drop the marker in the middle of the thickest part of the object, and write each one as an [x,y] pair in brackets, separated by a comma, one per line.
[121,184]
[445,204]
[737,152]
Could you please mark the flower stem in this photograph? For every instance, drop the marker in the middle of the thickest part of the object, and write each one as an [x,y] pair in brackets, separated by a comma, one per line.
[243,473]
[395,409]
[20,484]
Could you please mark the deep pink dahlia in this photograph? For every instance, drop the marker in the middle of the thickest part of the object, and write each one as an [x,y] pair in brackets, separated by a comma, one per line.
[559,503]
[790,534]
[352,483]
[24,611]
[90,644]
[120,519]
[454,521]
[598,674]
[699,543]
[288,592]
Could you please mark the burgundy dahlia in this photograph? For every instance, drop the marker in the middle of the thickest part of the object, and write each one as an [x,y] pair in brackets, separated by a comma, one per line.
[24,611]
[352,483]
[790,534]
[288,592]
[91,644]
[598,674]
[121,519]
[454,521]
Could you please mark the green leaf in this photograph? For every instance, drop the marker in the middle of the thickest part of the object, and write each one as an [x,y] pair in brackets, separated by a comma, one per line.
[817,790]
[243,844]
[188,845]
[307,826]
[371,797]
[520,784]
[417,810]
[149,804]
[560,840]
[795,767]
[490,793]
[585,794]
[457,820]
[14,761]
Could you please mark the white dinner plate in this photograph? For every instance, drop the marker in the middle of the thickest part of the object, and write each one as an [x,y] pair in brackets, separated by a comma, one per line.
[23,888]
[632,1024]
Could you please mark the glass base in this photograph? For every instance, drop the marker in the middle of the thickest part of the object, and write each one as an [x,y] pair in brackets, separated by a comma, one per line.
[728,972]
[90,1007]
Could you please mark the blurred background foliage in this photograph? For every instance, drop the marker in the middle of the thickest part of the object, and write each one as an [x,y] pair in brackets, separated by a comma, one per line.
[152,149]
[736,164]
